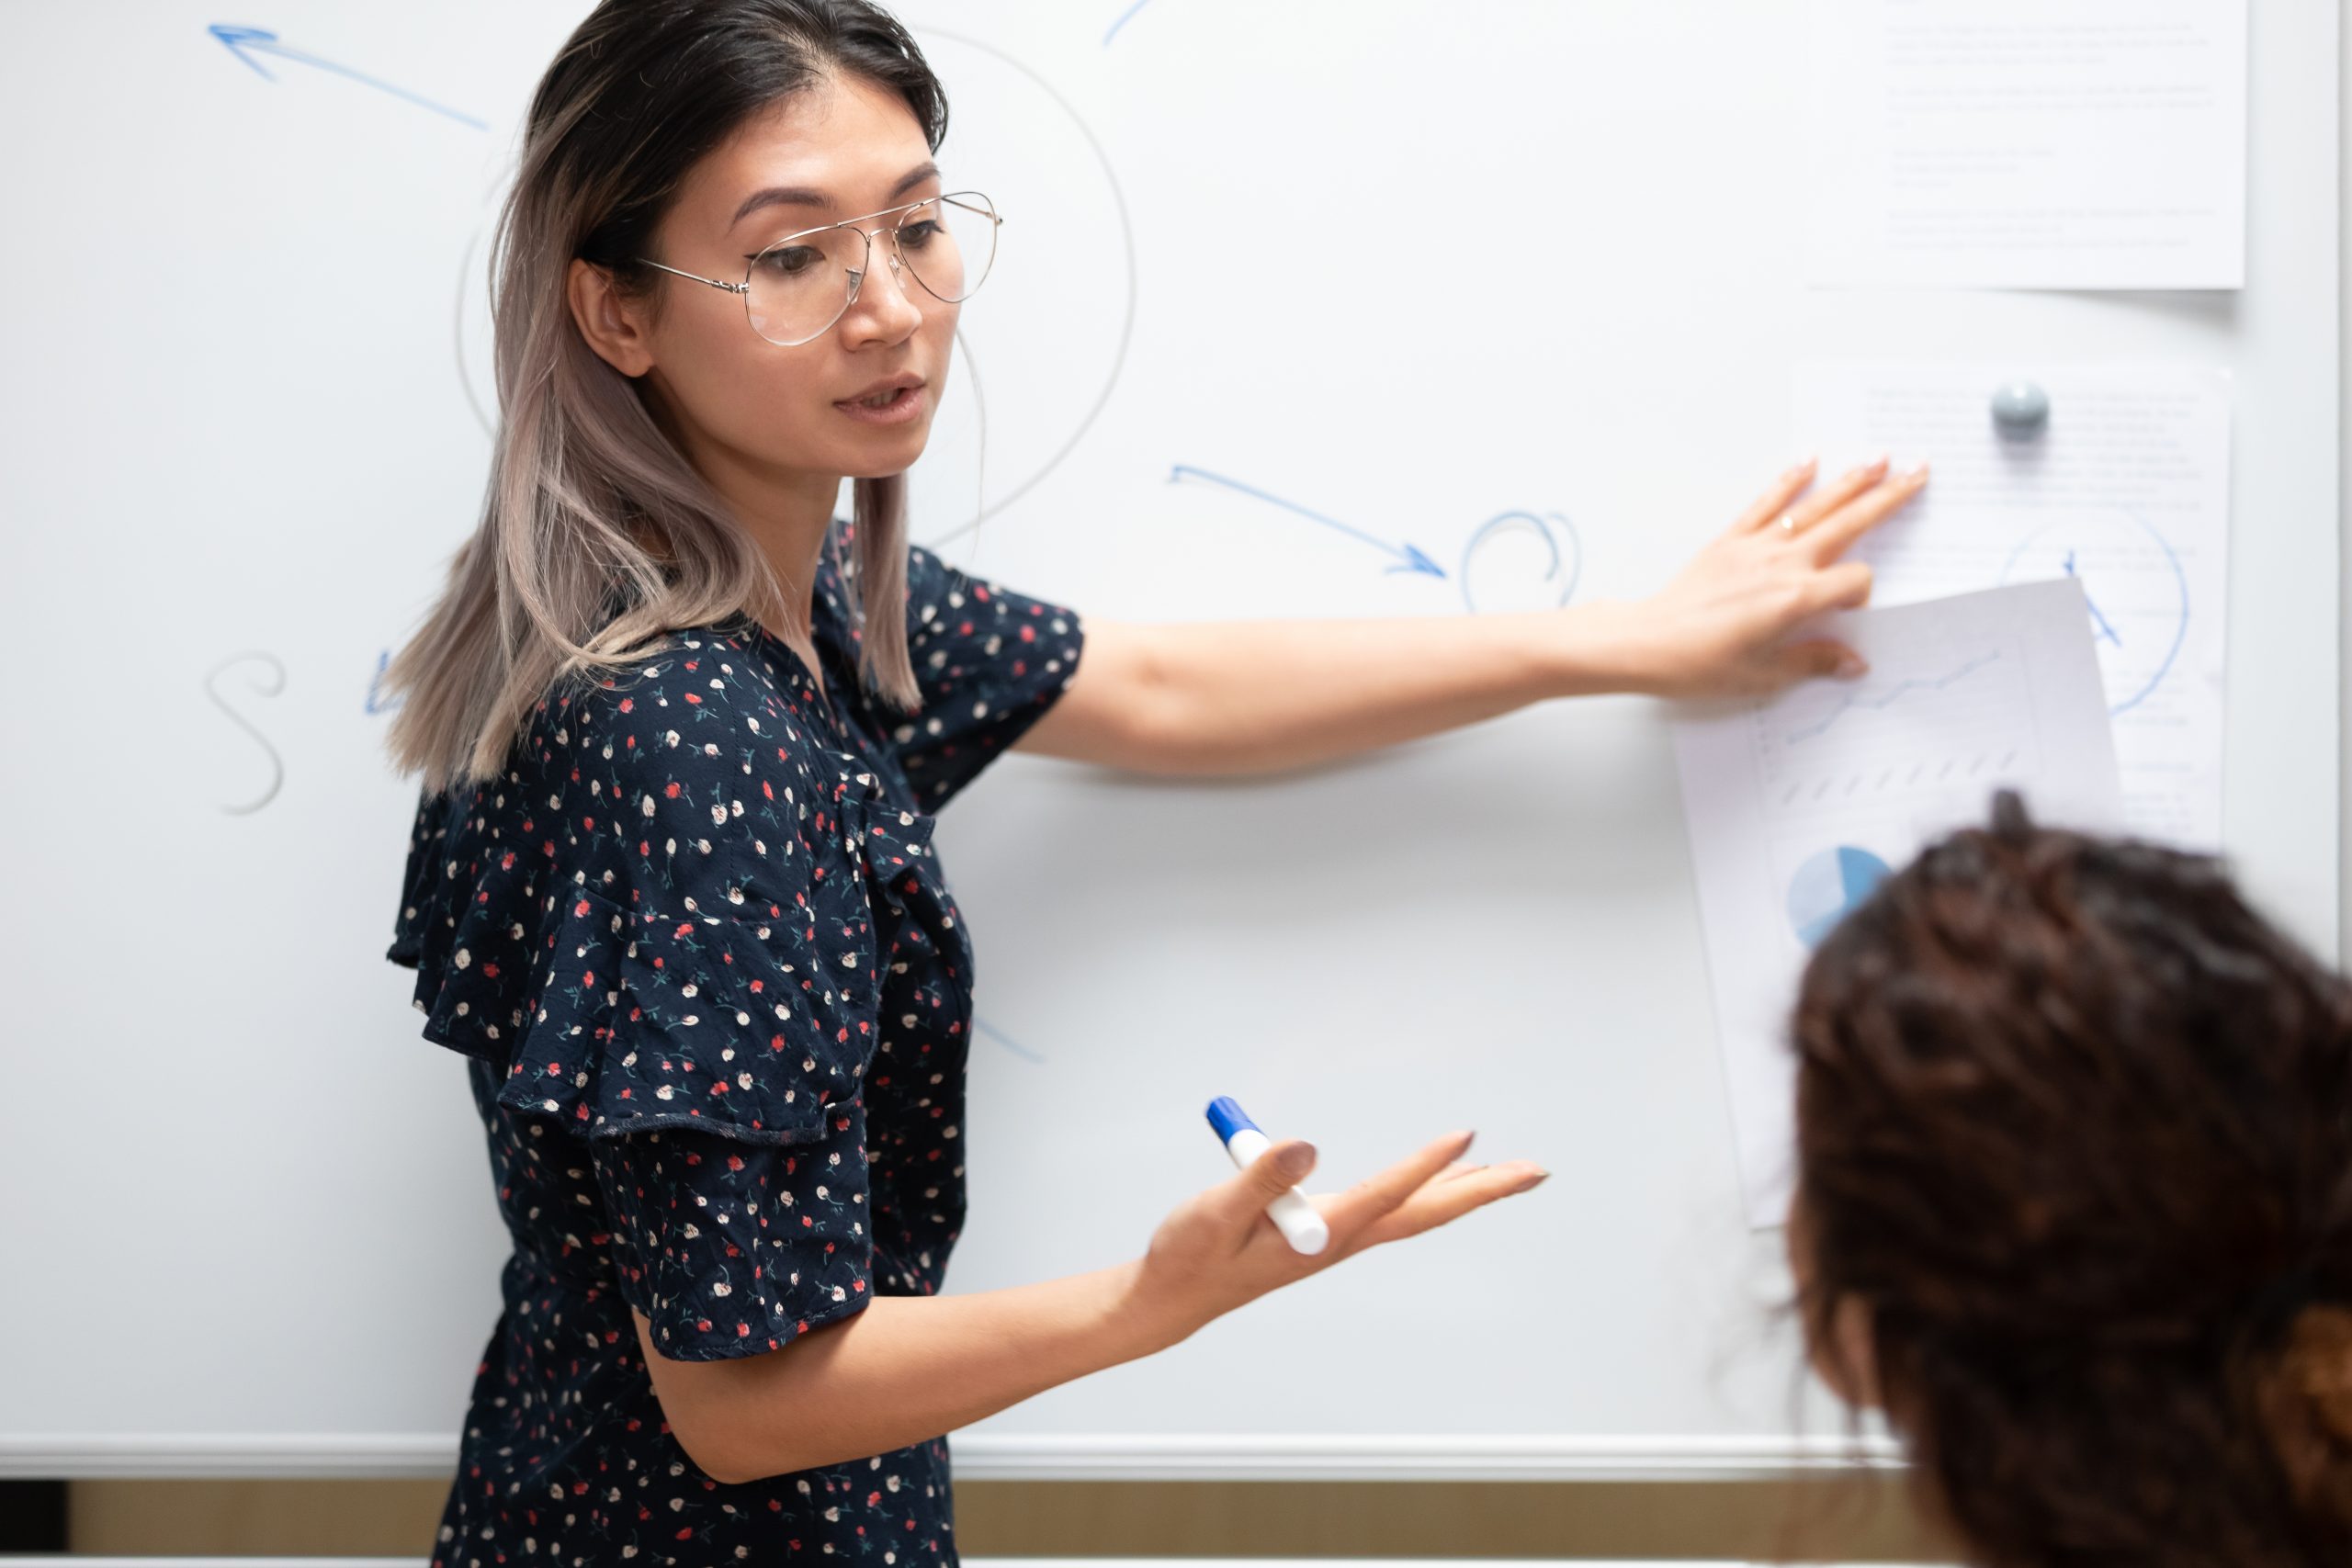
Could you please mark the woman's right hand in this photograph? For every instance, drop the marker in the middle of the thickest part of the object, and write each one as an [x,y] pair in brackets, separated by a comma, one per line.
[1219,1250]
[1733,621]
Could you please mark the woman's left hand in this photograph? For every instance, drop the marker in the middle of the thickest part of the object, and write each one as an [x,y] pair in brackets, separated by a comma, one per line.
[1730,623]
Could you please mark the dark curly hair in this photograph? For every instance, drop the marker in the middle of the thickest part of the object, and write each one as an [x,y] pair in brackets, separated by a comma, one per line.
[2074,1131]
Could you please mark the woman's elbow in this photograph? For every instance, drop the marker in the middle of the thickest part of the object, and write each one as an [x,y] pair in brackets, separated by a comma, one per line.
[708,1430]
[718,1464]
[706,1407]
[732,1453]
[734,1441]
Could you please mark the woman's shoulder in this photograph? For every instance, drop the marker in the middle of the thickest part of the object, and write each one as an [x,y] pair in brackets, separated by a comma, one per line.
[707,707]
[652,784]
[686,676]
[653,821]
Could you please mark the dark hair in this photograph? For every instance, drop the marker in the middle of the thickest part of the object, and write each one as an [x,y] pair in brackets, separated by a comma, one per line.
[2075,1128]
[694,71]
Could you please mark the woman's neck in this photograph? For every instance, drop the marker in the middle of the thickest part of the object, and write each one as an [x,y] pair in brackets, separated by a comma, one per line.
[786,512]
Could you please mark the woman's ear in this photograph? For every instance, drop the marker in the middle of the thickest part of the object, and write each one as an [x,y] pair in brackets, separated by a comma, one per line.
[613,328]
[1838,1344]
[1850,1367]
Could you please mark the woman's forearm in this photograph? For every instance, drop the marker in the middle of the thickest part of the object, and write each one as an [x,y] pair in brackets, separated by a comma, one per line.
[1239,697]
[900,1372]
[1256,697]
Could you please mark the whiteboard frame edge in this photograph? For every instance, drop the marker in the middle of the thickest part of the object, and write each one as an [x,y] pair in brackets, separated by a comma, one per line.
[1006,1457]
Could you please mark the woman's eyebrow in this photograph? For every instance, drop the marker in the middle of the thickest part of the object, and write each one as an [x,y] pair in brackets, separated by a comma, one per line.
[802,195]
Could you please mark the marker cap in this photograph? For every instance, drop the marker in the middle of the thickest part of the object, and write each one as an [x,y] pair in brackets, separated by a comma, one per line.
[1228,1117]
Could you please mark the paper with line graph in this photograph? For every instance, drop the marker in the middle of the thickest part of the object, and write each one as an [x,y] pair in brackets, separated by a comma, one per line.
[2128,489]
[1797,807]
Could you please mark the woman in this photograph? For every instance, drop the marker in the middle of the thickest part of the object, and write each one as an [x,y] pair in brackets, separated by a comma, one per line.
[671,887]
[2074,1202]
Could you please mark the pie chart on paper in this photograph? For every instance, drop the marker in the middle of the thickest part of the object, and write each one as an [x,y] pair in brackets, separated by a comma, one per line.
[1827,885]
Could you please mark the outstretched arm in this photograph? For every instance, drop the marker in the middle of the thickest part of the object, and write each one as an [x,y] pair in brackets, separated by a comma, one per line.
[1262,696]
[904,1368]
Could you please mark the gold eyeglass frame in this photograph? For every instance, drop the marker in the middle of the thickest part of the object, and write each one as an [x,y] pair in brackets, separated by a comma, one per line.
[899,267]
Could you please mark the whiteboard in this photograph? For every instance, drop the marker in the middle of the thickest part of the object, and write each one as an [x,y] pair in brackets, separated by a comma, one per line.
[248,1217]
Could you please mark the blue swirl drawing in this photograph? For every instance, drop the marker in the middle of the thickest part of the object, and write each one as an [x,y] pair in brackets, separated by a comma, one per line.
[1550,528]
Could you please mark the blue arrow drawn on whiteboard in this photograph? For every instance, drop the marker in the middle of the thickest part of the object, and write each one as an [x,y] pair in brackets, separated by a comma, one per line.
[1409,557]
[247,43]
[982,1026]
[2104,629]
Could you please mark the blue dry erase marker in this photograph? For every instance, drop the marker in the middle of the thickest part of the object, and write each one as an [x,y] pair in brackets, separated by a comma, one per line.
[1296,1218]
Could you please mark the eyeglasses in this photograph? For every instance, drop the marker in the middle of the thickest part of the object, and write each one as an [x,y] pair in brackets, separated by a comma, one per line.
[796,289]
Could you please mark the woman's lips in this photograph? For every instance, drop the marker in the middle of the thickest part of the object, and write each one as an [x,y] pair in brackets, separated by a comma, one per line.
[903,405]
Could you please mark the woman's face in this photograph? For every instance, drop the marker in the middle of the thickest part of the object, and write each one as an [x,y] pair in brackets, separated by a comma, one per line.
[840,150]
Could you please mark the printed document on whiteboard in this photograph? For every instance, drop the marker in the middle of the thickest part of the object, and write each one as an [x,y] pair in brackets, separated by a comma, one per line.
[2128,489]
[2028,144]
[1798,807]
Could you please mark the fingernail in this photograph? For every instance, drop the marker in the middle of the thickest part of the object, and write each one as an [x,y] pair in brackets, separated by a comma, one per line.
[1533,1182]
[1850,665]
[1880,464]
[1917,476]
[1804,467]
[1297,1162]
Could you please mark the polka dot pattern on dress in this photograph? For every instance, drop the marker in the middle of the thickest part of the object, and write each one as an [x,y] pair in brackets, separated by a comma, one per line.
[715,997]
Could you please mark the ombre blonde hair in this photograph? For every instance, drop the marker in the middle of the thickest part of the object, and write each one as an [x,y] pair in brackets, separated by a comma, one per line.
[597,535]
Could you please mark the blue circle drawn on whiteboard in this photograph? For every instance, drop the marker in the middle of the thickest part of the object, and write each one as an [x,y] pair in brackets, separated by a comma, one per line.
[986,507]
[471,337]
[465,322]
[1827,886]
[2137,590]
[1565,567]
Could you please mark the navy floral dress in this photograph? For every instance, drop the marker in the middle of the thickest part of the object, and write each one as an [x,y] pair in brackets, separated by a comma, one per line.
[715,998]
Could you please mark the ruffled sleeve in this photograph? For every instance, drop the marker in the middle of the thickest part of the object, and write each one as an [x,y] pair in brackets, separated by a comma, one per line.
[729,1249]
[646,944]
[989,662]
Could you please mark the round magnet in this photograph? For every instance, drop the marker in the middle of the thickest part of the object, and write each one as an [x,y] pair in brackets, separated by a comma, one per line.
[2021,410]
